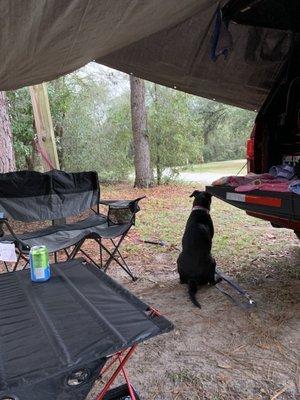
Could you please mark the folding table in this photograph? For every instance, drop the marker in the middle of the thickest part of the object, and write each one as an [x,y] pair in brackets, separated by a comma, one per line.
[56,336]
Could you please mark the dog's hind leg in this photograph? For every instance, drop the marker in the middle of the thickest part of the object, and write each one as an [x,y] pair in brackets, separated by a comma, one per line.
[213,281]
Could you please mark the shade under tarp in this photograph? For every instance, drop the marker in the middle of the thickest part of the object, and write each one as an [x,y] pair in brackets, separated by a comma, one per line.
[168,42]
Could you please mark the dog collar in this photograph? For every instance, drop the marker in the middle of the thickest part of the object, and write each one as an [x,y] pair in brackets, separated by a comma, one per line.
[200,208]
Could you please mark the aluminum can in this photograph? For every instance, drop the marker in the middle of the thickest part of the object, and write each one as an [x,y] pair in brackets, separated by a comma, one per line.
[39,264]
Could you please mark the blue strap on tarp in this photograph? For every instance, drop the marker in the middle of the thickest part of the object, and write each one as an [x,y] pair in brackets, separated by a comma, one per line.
[221,41]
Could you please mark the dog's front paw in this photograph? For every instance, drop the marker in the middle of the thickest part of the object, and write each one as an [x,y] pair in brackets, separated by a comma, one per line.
[218,280]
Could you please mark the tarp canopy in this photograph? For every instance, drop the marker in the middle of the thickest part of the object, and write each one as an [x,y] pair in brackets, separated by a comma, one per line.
[168,42]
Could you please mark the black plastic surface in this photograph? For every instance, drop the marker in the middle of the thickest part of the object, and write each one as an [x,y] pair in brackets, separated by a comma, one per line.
[73,321]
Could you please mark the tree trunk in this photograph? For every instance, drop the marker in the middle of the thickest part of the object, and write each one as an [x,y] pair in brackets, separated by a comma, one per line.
[7,155]
[142,162]
[158,166]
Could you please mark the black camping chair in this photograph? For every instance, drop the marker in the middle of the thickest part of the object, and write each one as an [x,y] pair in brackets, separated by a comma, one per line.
[120,218]
[32,196]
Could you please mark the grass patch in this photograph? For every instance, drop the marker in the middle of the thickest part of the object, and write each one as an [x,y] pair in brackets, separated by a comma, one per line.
[243,246]
[184,376]
[226,167]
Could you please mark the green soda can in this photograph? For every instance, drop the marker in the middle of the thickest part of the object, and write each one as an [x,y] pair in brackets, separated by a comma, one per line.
[39,264]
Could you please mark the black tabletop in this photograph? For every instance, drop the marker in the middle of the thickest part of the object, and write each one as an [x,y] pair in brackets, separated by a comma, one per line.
[77,318]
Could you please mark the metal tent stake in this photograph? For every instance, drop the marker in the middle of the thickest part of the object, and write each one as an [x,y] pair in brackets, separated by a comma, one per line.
[250,302]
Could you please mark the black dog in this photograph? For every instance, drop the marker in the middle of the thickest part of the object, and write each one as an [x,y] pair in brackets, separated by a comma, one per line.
[196,266]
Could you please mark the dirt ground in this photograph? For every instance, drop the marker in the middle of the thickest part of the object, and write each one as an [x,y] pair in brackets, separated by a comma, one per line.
[221,351]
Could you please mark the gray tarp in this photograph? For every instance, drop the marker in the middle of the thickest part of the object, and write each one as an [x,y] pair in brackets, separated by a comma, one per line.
[166,41]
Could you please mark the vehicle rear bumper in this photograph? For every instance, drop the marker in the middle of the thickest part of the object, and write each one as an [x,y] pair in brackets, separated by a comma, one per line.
[281,209]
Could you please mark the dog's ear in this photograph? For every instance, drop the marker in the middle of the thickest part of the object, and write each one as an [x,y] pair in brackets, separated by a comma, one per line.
[208,195]
[194,194]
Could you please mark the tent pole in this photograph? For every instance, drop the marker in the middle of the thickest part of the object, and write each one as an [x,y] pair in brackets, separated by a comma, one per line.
[45,140]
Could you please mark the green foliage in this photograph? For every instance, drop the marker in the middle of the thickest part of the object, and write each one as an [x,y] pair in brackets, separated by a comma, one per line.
[175,136]
[61,95]
[92,124]
[22,119]
[225,129]
[118,129]
[97,131]
[90,133]
[20,111]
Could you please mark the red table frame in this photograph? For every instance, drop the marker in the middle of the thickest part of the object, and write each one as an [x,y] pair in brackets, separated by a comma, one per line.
[120,358]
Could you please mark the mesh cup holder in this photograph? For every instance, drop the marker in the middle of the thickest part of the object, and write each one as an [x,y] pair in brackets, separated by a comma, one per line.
[119,215]
[78,378]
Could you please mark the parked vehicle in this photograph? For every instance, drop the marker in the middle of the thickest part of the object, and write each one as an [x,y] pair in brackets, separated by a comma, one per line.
[275,138]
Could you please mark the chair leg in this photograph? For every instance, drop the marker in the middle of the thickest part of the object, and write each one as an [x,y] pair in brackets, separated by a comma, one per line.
[112,257]
[66,253]
[13,269]
[25,259]
[6,266]
[119,253]
[112,254]
[76,249]
[89,258]
[100,251]
[126,266]
[17,262]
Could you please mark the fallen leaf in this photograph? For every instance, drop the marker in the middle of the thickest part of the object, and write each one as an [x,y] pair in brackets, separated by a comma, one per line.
[224,365]
[264,346]
[224,378]
[280,392]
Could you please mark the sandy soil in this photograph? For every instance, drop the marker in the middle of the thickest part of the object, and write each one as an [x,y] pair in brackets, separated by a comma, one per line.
[220,351]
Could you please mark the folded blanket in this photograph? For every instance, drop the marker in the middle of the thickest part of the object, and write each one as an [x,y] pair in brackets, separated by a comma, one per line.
[278,180]
[235,181]
[282,171]
[279,185]
[295,186]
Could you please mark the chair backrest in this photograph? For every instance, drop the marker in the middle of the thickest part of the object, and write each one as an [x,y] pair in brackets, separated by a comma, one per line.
[33,196]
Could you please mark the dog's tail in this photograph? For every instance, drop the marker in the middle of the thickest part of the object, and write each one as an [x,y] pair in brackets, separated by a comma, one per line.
[193,288]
